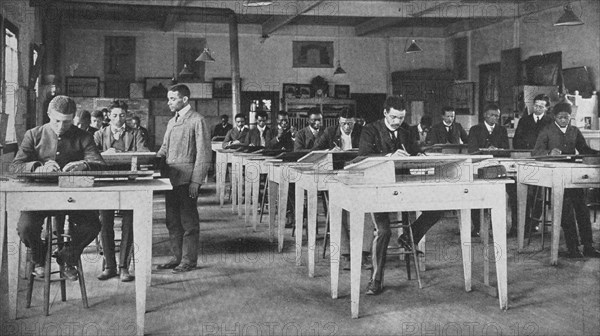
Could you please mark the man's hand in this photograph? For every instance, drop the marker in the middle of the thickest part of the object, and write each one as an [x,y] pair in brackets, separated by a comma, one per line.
[555,151]
[75,166]
[400,152]
[235,142]
[194,189]
[110,151]
[49,166]
[492,147]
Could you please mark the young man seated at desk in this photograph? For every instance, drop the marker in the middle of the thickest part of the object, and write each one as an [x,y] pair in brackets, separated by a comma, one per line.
[306,137]
[560,138]
[117,137]
[381,137]
[448,131]
[262,134]
[58,146]
[343,136]
[237,135]
[282,139]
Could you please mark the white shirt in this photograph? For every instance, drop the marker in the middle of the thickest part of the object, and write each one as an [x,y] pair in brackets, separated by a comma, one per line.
[395,131]
[184,110]
[116,132]
[346,141]
[422,134]
[490,128]
[564,130]
[537,118]
[261,131]
[314,131]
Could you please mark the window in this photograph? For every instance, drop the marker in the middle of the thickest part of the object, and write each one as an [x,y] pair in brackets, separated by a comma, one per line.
[11,77]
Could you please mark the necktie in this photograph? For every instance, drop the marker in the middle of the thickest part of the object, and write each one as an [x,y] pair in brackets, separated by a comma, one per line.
[176,116]
[393,135]
[449,134]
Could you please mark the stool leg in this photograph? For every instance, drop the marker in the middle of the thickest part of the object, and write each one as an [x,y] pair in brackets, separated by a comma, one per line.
[326,239]
[407,262]
[82,284]
[544,213]
[47,267]
[415,256]
[63,283]
[30,266]
[264,197]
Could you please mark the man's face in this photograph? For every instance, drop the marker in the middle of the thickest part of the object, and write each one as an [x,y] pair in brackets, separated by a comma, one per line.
[394,117]
[239,122]
[117,117]
[176,102]
[539,107]
[59,122]
[315,121]
[448,117]
[261,121]
[283,121]
[97,122]
[224,121]
[134,123]
[491,117]
[563,119]
[347,125]
[83,124]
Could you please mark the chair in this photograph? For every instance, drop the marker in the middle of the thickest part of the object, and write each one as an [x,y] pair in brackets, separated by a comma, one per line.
[407,230]
[58,241]
[541,198]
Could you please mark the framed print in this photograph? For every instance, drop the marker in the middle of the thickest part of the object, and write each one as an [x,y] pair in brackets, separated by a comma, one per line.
[312,54]
[304,90]
[222,87]
[290,90]
[341,91]
[462,97]
[156,87]
[82,86]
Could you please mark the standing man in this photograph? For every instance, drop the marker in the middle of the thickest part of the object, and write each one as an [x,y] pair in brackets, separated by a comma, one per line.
[385,136]
[419,132]
[221,129]
[530,126]
[117,137]
[58,146]
[306,137]
[343,136]
[187,152]
[262,134]
[448,131]
[239,134]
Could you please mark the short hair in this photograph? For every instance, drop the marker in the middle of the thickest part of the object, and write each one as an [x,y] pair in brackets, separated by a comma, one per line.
[105,110]
[562,107]
[395,102]
[262,114]
[447,109]
[181,89]
[85,116]
[63,105]
[240,115]
[491,107]
[346,113]
[543,97]
[118,104]
[136,118]
[314,110]
[224,116]
[282,113]
[426,120]
[98,114]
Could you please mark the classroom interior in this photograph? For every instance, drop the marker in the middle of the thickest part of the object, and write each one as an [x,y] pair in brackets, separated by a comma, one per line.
[272,56]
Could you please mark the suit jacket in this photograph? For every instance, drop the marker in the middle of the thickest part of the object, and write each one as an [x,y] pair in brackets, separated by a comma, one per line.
[134,141]
[254,136]
[439,135]
[305,139]
[552,137]
[91,130]
[219,130]
[479,137]
[285,142]
[41,144]
[528,130]
[235,134]
[375,139]
[332,137]
[414,134]
[186,149]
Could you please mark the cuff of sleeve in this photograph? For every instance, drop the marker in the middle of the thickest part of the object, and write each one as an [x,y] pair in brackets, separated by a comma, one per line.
[35,165]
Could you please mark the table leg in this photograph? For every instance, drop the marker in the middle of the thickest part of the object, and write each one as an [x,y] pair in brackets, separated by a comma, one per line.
[12,239]
[521,209]
[221,178]
[248,198]
[357,228]
[234,186]
[273,190]
[558,193]
[2,225]
[485,239]
[299,205]
[217,173]
[255,199]
[312,230]
[284,187]
[499,230]
[240,188]
[465,241]
[335,240]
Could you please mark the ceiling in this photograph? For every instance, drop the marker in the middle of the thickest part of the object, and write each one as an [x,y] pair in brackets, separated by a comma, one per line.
[366,17]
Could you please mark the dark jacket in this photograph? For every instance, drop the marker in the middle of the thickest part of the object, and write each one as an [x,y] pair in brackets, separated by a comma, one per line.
[41,144]
[219,130]
[439,135]
[134,141]
[305,139]
[413,133]
[285,142]
[254,136]
[552,137]
[235,134]
[332,137]
[375,139]
[479,137]
[527,131]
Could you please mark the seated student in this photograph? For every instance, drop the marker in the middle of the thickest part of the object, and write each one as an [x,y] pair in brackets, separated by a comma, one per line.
[38,153]
[385,136]
[262,134]
[84,122]
[283,138]
[136,124]
[343,136]
[237,135]
[448,131]
[97,119]
[562,138]
[306,137]
[488,134]
[117,137]
[221,129]
[419,132]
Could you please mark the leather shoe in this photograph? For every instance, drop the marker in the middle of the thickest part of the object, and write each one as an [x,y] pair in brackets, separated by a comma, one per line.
[374,287]
[182,268]
[590,251]
[171,264]
[403,242]
[574,253]
[39,271]
[107,274]
[474,233]
[71,273]
[125,276]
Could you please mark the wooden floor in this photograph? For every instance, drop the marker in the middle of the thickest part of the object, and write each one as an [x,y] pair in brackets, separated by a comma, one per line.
[244,287]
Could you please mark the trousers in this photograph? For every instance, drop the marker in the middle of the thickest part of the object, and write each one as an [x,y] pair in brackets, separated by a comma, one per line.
[183,224]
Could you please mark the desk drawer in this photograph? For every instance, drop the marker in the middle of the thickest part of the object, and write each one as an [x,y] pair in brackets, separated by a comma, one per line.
[585,175]
[68,200]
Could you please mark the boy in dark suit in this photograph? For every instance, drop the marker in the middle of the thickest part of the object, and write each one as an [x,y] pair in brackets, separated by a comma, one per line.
[343,136]
[562,138]
[530,126]
[237,135]
[306,137]
[262,134]
[282,139]
[221,129]
[448,131]
[419,132]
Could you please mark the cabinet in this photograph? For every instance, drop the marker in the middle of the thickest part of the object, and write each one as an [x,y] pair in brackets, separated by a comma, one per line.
[297,109]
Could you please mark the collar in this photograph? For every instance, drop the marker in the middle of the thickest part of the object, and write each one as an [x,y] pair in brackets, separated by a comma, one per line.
[241,129]
[117,130]
[314,131]
[388,126]
[489,127]
[539,117]
[261,129]
[446,125]
[562,129]
[184,110]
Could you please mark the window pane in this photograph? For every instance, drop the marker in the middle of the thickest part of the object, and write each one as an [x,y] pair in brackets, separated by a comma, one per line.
[11,73]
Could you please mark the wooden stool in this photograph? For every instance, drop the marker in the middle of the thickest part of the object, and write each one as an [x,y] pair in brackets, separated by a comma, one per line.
[51,242]
[541,197]
[407,229]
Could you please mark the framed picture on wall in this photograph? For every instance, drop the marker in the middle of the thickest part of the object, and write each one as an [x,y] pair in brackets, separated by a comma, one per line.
[341,91]
[290,90]
[304,90]
[156,87]
[222,87]
[462,97]
[82,86]
[312,54]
